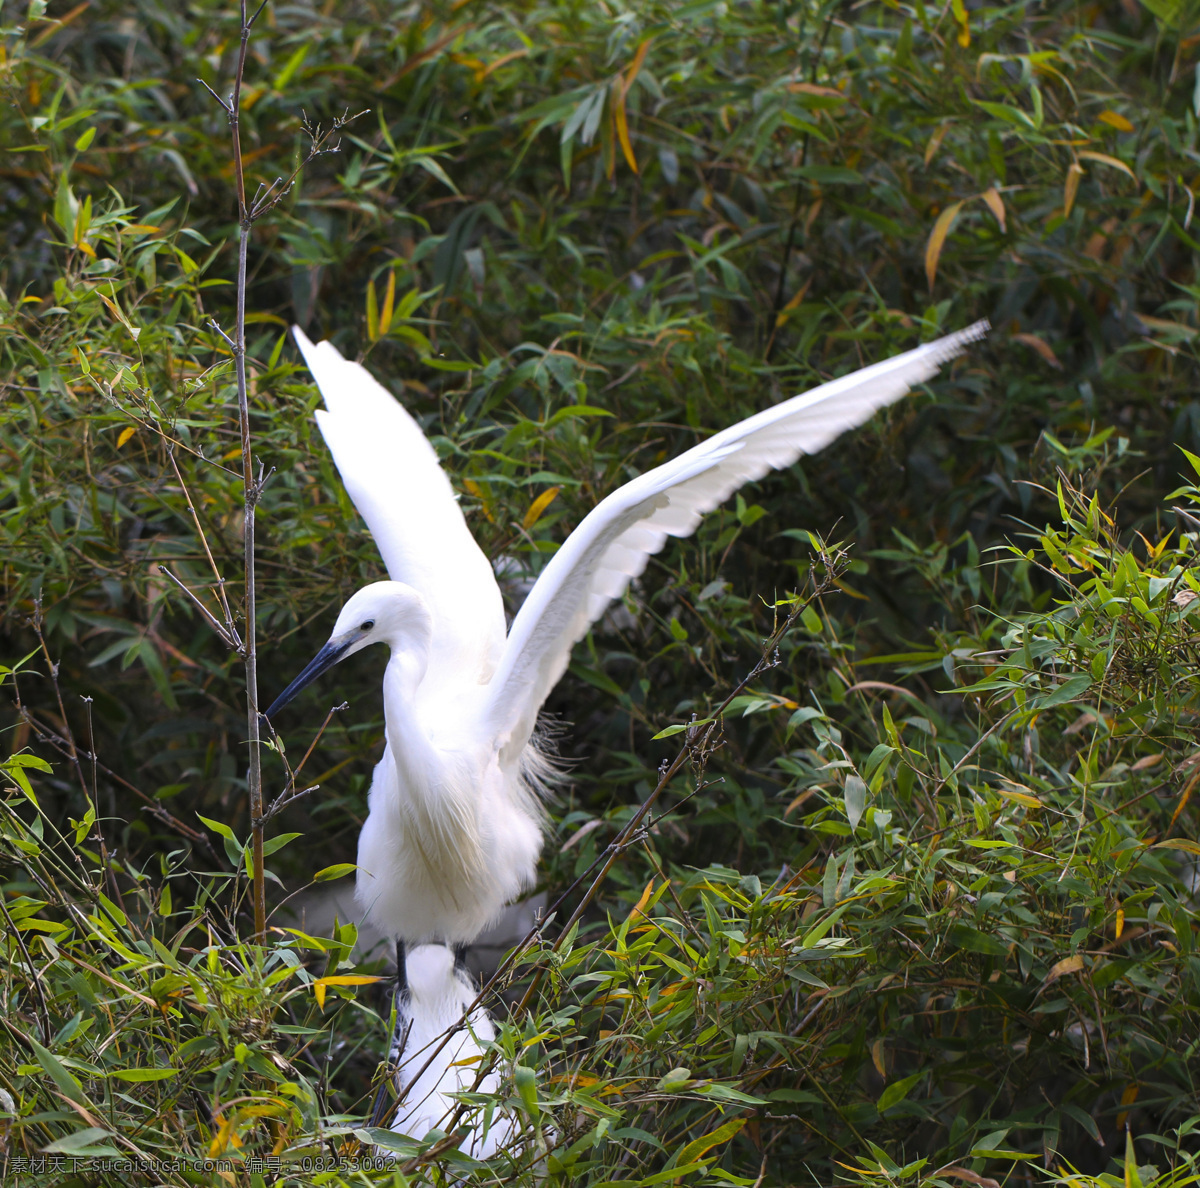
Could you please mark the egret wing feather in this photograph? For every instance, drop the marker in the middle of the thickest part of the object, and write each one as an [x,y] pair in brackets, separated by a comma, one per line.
[617,538]
[393,475]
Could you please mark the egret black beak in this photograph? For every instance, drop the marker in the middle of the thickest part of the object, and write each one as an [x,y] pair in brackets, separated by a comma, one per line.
[324,660]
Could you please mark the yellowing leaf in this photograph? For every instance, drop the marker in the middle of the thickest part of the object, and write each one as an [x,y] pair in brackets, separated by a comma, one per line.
[963,1173]
[321,984]
[714,1138]
[503,60]
[125,435]
[1119,925]
[804,88]
[221,1138]
[1021,797]
[1166,326]
[475,489]
[793,304]
[1128,1097]
[879,1057]
[645,899]
[1178,843]
[937,239]
[935,141]
[994,203]
[805,795]
[621,122]
[1072,964]
[1105,159]
[1114,119]
[636,64]
[964,22]
[115,310]
[539,505]
[1071,187]
[1042,347]
[1183,799]
[389,301]
[620,88]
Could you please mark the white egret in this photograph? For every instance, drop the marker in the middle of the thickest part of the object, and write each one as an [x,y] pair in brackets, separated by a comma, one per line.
[454,829]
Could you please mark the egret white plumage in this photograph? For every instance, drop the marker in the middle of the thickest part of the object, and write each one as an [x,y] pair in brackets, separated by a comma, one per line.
[431,1068]
[454,829]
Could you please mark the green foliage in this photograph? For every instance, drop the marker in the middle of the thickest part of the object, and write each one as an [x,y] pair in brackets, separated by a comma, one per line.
[925,910]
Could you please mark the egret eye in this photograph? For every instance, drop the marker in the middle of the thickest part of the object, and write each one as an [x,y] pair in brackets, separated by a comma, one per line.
[367,625]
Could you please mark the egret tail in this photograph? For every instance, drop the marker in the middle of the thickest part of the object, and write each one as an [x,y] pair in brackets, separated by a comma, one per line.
[442,1051]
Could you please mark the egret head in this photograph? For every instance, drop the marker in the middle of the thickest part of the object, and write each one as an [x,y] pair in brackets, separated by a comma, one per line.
[383,612]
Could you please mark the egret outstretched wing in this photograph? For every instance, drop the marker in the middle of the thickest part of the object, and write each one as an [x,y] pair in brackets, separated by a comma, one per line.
[616,539]
[392,474]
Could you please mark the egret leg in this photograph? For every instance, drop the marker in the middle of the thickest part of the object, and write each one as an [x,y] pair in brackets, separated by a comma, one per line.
[380,1108]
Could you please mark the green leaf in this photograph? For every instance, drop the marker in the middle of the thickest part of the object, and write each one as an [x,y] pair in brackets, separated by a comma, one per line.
[1175,14]
[144,1074]
[1010,115]
[963,936]
[804,714]
[271,845]
[525,1079]
[85,1144]
[218,827]
[389,1140]
[434,169]
[830,175]
[897,1091]
[1072,688]
[855,792]
[679,728]
[818,931]
[336,871]
[292,65]
[66,1083]
[715,1138]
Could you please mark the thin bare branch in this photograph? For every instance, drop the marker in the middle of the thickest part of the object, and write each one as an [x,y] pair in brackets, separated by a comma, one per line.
[318,147]
[229,624]
[232,344]
[209,617]
[286,798]
[224,105]
[34,974]
[62,746]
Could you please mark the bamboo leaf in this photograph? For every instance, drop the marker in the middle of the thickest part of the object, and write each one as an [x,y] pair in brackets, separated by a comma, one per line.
[1105,159]
[389,301]
[937,240]
[715,1138]
[372,313]
[994,203]
[539,505]
[1071,187]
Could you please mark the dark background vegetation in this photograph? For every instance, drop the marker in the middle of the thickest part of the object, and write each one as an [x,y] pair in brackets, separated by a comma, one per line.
[916,925]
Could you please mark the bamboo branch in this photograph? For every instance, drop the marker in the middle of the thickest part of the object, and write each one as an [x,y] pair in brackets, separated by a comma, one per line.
[208,615]
[266,199]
